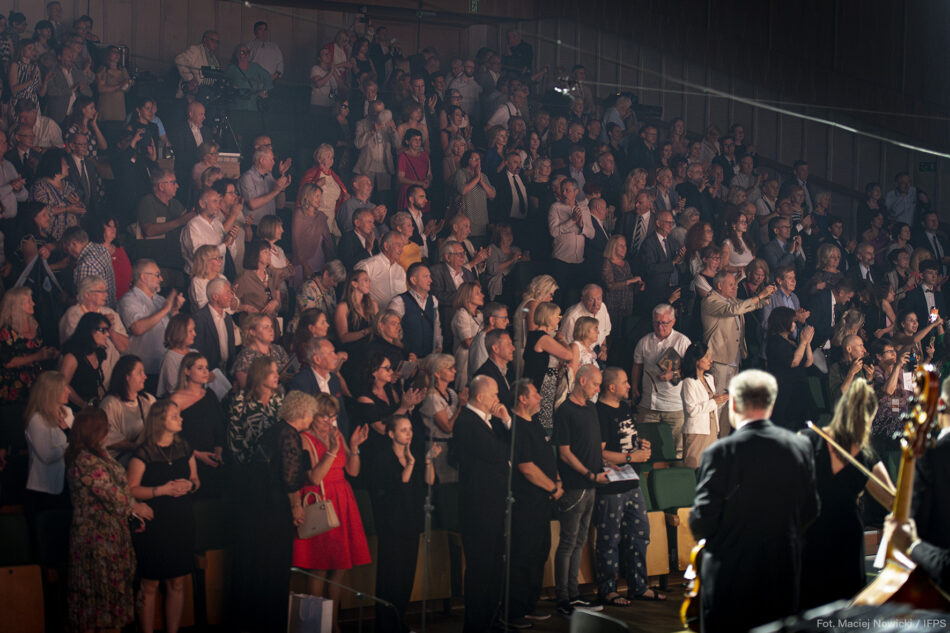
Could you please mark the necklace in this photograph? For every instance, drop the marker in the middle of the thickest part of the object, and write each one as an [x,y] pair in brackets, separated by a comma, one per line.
[166,456]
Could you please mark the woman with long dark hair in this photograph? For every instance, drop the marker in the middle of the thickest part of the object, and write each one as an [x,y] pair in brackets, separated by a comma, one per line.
[202,420]
[126,405]
[84,355]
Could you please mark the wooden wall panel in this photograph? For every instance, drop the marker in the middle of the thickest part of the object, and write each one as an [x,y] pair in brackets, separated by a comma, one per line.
[651,75]
[791,145]
[695,114]
[116,24]
[173,37]
[816,148]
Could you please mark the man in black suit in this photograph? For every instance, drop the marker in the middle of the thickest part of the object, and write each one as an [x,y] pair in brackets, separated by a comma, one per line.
[925,296]
[359,243]
[643,151]
[931,501]
[727,160]
[594,246]
[214,326]
[82,172]
[22,155]
[826,308]
[511,196]
[446,279]
[501,351]
[755,496]
[658,261]
[799,178]
[319,375]
[607,176]
[933,239]
[783,249]
[637,225]
[480,444]
[864,269]
[424,232]
[185,139]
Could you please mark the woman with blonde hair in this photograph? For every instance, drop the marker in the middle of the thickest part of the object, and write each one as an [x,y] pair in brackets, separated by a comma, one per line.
[311,244]
[440,409]
[47,419]
[466,323]
[207,157]
[618,280]
[833,555]
[332,457]
[163,473]
[828,273]
[539,290]
[208,265]
[22,352]
[402,223]
[334,191]
[258,337]
[543,354]
[635,182]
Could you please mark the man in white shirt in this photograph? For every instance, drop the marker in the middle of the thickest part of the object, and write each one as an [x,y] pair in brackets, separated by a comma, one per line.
[569,224]
[591,305]
[191,60]
[12,185]
[46,133]
[208,228]
[419,311]
[265,53]
[386,277]
[656,362]
[145,314]
[469,89]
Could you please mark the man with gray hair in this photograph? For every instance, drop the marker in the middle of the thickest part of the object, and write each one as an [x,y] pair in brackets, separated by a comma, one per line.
[215,335]
[759,482]
[90,260]
[320,375]
[655,378]
[160,219]
[386,277]
[263,194]
[590,305]
[375,138]
[91,293]
[145,314]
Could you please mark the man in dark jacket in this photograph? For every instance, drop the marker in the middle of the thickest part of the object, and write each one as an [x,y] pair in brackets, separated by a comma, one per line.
[758,482]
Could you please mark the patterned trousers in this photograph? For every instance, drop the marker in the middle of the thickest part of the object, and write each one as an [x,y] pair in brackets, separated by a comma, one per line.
[622,531]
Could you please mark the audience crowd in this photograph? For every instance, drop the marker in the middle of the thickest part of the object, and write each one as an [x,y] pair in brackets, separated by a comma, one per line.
[467,257]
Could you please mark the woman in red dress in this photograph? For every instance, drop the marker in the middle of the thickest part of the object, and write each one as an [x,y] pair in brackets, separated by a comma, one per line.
[330,554]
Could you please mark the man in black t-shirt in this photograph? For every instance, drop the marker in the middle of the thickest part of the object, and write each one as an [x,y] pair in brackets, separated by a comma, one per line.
[581,465]
[620,512]
[536,486]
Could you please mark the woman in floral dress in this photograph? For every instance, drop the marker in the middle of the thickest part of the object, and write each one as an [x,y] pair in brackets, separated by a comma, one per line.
[101,559]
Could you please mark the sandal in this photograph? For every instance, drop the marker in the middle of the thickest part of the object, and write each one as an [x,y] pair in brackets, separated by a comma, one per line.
[656,597]
[616,601]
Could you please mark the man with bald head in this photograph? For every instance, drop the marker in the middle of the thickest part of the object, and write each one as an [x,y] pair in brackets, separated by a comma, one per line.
[581,466]
[851,365]
[186,137]
[480,442]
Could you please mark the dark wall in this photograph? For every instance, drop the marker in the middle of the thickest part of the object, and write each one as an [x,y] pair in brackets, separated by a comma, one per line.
[886,56]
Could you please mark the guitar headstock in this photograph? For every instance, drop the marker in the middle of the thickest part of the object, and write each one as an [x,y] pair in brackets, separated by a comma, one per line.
[920,429]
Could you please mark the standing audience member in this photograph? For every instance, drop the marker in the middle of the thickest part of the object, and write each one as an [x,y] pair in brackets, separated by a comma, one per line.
[202,420]
[419,312]
[580,464]
[701,404]
[92,293]
[620,511]
[214,328]
[656,374]
[48,418]
[145,314]
[126,405]
[179,340]
[84,356]
[330,554]
[162,471]
[101,559]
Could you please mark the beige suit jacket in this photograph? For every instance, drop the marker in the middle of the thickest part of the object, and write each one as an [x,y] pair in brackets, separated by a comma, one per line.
[724,326]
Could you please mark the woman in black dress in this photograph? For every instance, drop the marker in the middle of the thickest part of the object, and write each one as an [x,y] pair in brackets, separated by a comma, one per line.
[353,322]
[833,556]
[81,363]
[788,359]
[543,355]
[202,421]
[162,472]
[398,488]
[380,397]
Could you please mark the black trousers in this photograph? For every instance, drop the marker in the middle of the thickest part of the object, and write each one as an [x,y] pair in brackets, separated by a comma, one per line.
[483,542]
[530,545]
[395,571]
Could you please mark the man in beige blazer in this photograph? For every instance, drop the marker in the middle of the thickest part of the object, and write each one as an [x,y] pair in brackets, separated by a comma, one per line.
[724,330]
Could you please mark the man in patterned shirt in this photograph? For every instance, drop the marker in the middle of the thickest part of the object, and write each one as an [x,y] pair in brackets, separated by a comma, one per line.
[90,260]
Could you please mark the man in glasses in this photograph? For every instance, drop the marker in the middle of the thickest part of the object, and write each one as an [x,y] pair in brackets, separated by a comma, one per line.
[190,62]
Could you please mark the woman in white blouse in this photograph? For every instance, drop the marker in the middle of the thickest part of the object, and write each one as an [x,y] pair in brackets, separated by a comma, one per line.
[440,409]
[465,325]
[47,418]
[701,404]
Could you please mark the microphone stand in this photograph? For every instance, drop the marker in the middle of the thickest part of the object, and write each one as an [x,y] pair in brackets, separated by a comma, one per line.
[509,498]
[426,536]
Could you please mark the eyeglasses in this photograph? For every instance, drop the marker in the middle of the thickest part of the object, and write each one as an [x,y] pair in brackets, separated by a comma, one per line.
[158,274]
[102,330]
[244,52]
[386,367]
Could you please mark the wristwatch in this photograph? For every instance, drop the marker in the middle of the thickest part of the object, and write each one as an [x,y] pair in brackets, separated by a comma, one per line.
[626,457]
